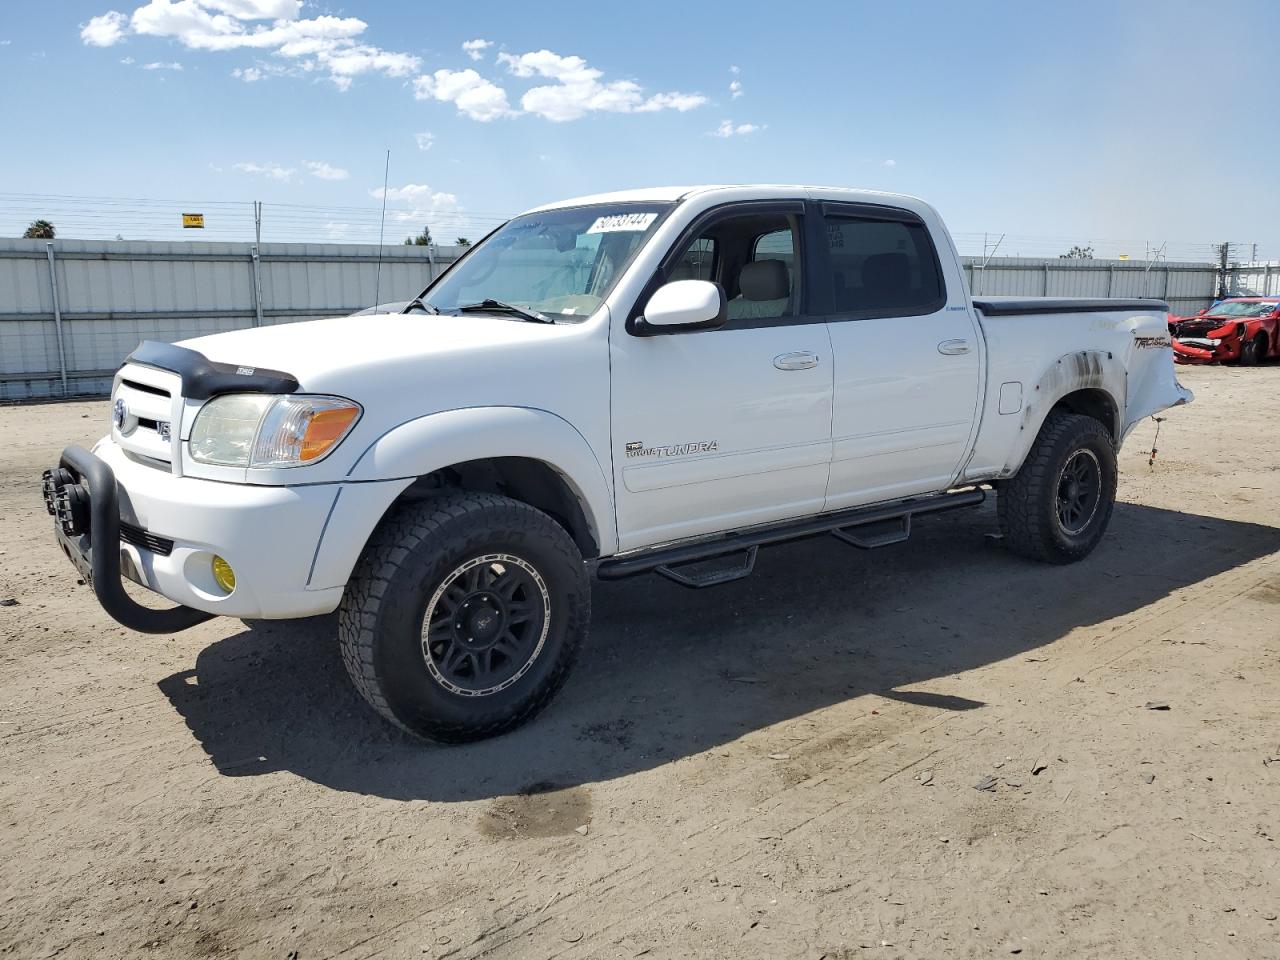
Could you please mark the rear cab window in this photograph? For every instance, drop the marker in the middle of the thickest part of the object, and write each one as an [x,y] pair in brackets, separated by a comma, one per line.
[880,263]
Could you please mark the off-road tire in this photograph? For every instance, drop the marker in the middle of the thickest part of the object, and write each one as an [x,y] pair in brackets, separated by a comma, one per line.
[1253,351]
[1028,505]
[418,546]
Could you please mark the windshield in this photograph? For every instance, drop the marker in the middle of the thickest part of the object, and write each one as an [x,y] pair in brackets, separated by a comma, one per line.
[1241,308]
[559,263]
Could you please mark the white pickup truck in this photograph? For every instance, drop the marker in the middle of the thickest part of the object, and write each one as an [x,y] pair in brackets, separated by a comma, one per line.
[658,380]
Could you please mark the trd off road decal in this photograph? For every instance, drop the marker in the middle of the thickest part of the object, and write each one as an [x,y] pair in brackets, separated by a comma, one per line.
[637,449]
[1151,343]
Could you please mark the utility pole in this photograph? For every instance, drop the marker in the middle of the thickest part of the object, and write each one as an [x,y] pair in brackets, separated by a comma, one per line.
[257,263]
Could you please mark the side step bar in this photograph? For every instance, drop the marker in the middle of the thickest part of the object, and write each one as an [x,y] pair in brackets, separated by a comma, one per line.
[864,527]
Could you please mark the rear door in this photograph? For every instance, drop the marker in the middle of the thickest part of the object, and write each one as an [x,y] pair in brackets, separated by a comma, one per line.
[907,355]
[718,429]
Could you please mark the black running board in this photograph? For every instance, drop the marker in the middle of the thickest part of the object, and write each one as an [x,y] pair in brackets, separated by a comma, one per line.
[864,527]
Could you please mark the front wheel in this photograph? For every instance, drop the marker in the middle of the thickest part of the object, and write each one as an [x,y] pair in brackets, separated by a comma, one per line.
[464,615]
[1057,507]
[1253,351]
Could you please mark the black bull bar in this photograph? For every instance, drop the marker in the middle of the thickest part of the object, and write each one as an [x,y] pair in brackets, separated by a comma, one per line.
[81,494]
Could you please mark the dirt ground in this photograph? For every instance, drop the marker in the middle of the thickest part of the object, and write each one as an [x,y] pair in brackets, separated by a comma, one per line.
[780,767]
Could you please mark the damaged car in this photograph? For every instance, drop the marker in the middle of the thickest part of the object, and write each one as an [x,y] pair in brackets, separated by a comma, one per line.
[1238,329]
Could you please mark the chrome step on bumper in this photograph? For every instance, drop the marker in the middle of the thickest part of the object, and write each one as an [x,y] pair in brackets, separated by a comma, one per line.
[81,495]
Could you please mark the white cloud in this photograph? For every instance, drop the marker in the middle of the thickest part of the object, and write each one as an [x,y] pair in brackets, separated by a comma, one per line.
[735,89]
[679,102]
[158,65]
[324,43]
[417,203]
[323,171]
[257,9]
[272,171]
[419,195]
[579,89]
[347,62]
[475,48]
[890,163]
[733,68]
[728,128]
[425,140]
[247,74]
[474,96]
[336,231]
[105,30]
[127,61]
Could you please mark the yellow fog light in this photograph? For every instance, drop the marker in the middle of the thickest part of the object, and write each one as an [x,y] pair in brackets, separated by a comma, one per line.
[223,574]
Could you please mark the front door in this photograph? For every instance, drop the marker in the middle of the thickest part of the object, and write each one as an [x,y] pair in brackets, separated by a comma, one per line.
[724,428]
[907,358]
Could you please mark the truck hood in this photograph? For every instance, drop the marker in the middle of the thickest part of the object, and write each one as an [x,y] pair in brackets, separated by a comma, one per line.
[324,354]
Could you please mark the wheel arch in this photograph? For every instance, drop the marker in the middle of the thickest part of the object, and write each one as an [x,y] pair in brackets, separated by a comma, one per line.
[1087,382]
[526,479]
[525,453]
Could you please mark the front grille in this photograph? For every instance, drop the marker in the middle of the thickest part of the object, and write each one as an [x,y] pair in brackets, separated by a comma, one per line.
[148,541]
[145,388]
[146,406]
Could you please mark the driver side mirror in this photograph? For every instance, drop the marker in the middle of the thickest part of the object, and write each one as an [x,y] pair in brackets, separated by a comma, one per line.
[684,306]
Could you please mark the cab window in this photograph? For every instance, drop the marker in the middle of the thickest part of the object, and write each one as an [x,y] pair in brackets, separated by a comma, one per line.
[882,267]
[753,257]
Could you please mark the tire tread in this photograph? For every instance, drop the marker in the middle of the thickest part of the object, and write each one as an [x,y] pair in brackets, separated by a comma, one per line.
[369,593]
[1021,508]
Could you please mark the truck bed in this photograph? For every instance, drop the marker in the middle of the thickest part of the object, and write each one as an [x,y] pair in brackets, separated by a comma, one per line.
[1008,306]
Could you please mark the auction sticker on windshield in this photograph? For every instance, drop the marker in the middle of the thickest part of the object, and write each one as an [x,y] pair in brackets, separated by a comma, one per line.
[622,221]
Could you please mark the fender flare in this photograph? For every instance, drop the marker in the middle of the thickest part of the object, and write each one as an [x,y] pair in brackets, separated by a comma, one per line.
[428,443]
[1080,370]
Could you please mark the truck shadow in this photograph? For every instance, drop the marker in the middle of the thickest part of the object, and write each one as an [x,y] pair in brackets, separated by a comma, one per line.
[671,672]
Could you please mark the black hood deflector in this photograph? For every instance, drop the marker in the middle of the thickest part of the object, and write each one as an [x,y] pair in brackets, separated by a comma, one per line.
[203,378]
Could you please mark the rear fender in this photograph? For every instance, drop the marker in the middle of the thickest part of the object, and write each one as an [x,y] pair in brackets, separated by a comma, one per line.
[1073,372]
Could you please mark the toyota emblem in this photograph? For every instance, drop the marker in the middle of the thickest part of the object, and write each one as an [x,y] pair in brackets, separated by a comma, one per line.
[118,413]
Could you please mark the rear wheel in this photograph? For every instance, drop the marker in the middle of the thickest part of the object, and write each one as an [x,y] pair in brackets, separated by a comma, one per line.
[1057,507]
[464,615]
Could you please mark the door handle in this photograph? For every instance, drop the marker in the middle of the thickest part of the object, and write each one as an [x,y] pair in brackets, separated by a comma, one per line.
[953,348]
[799,360]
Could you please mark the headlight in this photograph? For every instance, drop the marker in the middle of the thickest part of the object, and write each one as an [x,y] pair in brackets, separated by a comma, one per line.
[261,430]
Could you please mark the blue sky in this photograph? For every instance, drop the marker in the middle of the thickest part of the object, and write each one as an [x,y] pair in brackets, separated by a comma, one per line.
[1052,123]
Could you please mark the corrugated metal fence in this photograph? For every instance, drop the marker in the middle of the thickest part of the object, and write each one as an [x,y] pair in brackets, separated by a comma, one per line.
[76,308]
[1261,279]
[70,310]
[1187,287]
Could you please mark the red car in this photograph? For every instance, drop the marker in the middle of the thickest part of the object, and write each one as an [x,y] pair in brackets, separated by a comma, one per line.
[1244,329]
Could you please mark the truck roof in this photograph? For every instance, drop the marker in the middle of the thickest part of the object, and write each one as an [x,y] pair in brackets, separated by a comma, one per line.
[763,190]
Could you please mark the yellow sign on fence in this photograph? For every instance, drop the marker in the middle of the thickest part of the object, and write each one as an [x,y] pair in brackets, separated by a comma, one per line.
[195,220]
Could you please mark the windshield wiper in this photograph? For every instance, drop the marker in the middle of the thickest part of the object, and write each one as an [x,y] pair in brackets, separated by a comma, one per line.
[418,302]
[497,306]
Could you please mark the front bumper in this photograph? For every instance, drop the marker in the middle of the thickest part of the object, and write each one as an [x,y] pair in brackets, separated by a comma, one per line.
[1205,349]
[271,536]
